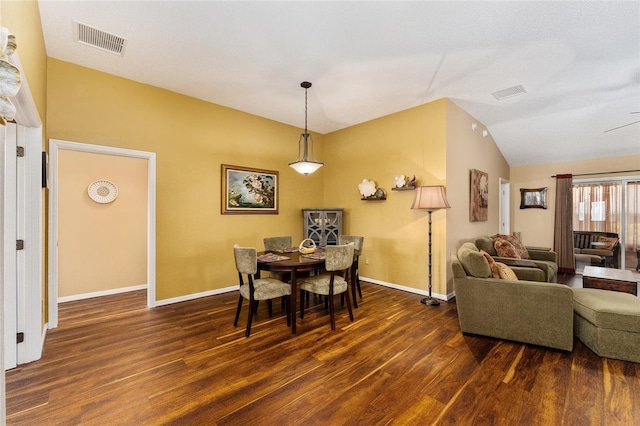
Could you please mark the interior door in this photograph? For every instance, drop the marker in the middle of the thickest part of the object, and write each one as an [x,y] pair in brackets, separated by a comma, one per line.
[505,197]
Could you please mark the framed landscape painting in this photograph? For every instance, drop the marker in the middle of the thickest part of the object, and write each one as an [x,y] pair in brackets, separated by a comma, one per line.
[249,191]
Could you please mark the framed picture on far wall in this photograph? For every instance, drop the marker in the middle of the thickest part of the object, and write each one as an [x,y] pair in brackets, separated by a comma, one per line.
[247,190]
[533,198]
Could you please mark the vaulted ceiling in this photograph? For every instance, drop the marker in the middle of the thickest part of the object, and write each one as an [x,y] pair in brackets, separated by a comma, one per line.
[576,64]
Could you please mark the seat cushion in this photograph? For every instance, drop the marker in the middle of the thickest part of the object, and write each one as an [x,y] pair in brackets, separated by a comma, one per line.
[608,309]
[319,284]
[266,288]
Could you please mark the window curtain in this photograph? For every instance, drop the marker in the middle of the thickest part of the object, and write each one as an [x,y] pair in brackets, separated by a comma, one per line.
[563,229]
[597,207]
[632,233]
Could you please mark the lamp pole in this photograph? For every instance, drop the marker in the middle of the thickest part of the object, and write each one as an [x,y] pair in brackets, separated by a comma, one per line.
[430,300]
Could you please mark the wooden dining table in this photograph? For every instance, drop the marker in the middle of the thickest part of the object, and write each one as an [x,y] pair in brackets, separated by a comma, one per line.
[294,263]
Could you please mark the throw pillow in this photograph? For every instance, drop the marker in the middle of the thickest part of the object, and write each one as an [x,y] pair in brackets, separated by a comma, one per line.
[611,242]
[488,257]
[503,272]
[520,248]
[505,249]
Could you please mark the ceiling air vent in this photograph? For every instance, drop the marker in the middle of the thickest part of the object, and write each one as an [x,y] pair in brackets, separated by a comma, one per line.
[99,39]
[509,93]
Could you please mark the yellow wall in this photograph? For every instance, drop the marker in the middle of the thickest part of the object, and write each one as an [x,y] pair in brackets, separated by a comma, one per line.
[192,139]
[536,225]
[101,247]
[410,142]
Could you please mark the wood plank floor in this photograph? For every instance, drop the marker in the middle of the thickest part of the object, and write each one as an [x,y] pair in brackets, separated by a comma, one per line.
[114,362]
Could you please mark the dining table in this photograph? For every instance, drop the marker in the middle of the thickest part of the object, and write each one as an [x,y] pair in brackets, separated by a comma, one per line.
[292,262]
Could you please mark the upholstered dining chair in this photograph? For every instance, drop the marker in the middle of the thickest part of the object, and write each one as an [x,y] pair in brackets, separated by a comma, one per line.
[358,242]
[255,289]
[276,243]
[338,259]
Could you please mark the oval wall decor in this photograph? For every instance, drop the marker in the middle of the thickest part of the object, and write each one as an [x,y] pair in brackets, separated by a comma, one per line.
[102,191]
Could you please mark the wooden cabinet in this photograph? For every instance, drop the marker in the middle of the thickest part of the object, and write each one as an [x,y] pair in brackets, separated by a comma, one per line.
[323,226]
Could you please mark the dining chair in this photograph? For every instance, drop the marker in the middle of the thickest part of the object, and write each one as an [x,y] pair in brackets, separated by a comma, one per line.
[358,242]
[338,259]
[276,243]
[255,289]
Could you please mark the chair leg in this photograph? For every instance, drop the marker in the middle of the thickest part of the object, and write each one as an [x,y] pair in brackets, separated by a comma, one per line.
[331,314]
[349,304]
[302,304]
[287,304]
[235,323]
[331,309]
[253,305]
[270,306]
[358,284]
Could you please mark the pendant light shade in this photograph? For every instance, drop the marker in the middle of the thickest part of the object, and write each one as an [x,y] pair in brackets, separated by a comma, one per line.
[306,162]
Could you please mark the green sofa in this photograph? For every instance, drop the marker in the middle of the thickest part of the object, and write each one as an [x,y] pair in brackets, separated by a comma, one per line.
[533,312]
[546,260]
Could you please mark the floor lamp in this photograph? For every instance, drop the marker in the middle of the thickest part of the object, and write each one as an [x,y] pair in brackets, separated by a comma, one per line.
[430,198]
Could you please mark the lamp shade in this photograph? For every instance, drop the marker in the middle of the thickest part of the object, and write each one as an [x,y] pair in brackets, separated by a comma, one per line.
[430,198]
[305,167]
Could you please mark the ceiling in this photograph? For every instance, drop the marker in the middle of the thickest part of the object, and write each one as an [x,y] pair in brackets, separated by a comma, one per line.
[579,63]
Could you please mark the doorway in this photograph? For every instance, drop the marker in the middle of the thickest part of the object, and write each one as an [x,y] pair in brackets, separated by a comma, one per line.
[55,146]
[505,208]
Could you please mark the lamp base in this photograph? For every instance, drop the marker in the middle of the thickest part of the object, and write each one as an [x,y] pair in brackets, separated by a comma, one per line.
[430,301]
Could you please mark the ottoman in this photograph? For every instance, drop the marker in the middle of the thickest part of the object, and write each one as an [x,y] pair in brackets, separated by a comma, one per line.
[608,322]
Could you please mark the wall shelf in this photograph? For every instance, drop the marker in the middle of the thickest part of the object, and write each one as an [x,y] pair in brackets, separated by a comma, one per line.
[373,199]
[404,188]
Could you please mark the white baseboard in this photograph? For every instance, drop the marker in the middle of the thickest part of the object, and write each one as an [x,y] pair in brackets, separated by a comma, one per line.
[196,295]
[409,289]
[101,293]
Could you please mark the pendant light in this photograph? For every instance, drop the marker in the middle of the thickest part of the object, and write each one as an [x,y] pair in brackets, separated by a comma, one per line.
[303,164]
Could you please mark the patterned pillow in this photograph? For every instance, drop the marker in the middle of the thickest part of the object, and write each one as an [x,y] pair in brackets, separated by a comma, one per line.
[612,241]
[503,272]
[520,248]
[505,249]
[488,257]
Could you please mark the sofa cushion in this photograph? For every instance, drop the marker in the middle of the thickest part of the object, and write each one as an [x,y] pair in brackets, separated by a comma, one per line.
[520,248]
[505,249]
[473,262]
[503,271]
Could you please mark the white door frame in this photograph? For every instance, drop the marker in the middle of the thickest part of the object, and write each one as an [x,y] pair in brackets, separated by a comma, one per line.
[56,145]
[505,207]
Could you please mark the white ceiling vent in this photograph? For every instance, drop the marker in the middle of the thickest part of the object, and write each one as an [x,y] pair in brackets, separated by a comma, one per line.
[99,39]
[509,93]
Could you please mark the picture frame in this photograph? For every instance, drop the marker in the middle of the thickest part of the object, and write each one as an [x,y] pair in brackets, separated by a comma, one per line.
[533,198]
[247,190]
[479,196]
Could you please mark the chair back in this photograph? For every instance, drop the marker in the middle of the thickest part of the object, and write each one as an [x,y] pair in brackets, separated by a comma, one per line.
[276,243]
[338,258]
[357,242]
[246,259]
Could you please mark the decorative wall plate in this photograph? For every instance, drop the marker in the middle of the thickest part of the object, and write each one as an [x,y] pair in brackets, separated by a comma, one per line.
[102,191]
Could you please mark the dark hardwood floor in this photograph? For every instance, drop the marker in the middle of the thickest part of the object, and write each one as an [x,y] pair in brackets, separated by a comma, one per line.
[111,361]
